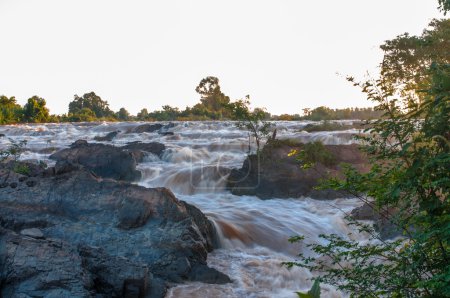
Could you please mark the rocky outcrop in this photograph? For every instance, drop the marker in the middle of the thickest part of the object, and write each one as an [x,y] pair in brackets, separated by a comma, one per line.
[139,149]
[108,137]
[146,128]
[103,160]
[153,127]
[73,234]
[384,221]
[275,174]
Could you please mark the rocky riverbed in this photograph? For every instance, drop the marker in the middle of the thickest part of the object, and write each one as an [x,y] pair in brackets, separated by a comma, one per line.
[162,209]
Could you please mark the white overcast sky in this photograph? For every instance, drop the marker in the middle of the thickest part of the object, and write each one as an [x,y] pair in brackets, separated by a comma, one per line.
[137,54]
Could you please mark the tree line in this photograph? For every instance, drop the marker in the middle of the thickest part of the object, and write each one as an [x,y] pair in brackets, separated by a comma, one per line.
[213,105]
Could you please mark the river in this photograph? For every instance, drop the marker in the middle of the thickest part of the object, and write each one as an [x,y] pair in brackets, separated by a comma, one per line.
[253,233]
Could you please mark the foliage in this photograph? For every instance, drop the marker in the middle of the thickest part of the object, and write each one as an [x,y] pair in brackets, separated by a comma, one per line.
[325,113]
[92,102]
[312,153]
[254,121]
[35,110]
[313,293]
[167,113]
[13,151]
[142,115]
[410,158]
[213,100]
[444,6]
[407,59]
[83,115]
[123,115]
[10,111]
[332,126]
[22,169]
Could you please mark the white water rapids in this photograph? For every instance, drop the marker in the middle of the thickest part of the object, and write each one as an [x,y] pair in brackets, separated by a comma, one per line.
[253,232]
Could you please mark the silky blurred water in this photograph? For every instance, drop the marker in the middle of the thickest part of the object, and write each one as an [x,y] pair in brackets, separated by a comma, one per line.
[253,232]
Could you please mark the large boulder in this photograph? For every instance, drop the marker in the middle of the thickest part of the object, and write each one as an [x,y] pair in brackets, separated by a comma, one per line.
[275,174]
[108,137]
[139,149]
[103,160]
[81,236]
[154,127]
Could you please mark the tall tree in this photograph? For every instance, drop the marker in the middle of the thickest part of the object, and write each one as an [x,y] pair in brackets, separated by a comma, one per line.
[212,98]
[10,111]
[123,115]
[35,110]
[407,60]
[91,101]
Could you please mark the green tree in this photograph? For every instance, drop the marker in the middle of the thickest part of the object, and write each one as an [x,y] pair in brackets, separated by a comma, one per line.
[444,6]
[407,60]
[35,110]
[93,102]
[142,115]
[254,121]
[10,111]
[212,98]
[83,115]
[123,115]
[410,158]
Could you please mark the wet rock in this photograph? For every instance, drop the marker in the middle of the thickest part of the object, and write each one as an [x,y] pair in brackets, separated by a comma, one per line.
[102,237]
[208,275]
[40,268]
[2,135]
[48,150]
[166,133]
[33,232]
[138,149]
[115,276]
[275,174]
[146,128]
[384,220]
[103,160]
[31,182]
[108,137]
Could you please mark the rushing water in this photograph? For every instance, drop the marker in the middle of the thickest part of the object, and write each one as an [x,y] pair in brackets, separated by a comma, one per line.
[253,232]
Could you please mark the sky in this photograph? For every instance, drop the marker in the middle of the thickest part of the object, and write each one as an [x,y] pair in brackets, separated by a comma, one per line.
[286,54]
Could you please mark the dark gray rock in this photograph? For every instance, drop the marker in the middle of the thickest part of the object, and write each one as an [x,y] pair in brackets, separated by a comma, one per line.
[103,160]
[384,220]
[139,149]
[103,238]
[146,128]
[108,137]
[275,174]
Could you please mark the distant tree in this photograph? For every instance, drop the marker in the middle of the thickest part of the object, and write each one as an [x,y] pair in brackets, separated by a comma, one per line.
[142,115]
[123,114]
[212,98]
[10,111]
[320,113]
[83,115]
[35,110]
[91,101]
[254,121]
